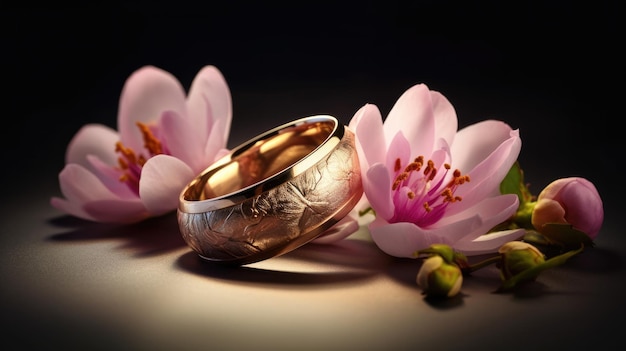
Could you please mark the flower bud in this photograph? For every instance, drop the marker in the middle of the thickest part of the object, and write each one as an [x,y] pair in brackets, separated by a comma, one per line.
[518,256]
[573,201]
[439,278]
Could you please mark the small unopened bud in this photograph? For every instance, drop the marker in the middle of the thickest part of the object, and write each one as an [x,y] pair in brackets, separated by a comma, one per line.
[572,200]
[438,278]
[518,256]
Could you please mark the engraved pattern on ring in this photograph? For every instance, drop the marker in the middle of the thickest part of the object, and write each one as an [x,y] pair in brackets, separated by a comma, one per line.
[289,215]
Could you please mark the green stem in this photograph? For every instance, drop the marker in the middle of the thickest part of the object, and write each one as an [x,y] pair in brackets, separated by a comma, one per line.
[366,211]
[484,263]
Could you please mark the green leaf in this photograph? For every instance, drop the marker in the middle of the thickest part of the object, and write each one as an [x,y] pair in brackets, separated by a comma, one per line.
[533,272]
[535,238]
[565,235]
[513,183]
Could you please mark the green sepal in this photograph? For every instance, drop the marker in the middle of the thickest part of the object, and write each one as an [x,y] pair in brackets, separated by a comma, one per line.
[446,252]
[513,183]
[534,271]
[535,238]
[565,235]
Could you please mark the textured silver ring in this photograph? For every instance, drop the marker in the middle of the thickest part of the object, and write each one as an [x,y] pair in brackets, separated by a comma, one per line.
[273,193]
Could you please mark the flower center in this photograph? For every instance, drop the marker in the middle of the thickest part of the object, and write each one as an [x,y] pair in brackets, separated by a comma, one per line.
[131,163]
[420,194]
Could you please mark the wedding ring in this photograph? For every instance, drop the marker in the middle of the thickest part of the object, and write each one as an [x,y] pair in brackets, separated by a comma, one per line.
[273,193]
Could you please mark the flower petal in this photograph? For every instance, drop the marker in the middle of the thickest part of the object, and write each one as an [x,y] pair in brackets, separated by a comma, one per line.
[367,125]
[377,186]
[476,142]
[93,139]
[110,177]
[413,115]
[209,101]
[492,211]
[214,147]
[183,140]
[403,239]
[163,178]
[487,243]
[399,149]
[485,178]
[80,187]
[147,93]
[446,123]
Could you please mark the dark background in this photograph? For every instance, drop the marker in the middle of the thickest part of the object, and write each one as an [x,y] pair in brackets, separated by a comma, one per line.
[552,69]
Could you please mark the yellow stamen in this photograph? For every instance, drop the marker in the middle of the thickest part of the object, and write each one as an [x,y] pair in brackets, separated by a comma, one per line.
[397,166]
[128,158]
[150,141]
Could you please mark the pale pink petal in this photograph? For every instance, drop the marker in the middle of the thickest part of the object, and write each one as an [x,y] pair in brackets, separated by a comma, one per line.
[367,125]
[459,229]
[492,211]
[183,140]
[413,115]
[344,228]
[488,243]
[110,177]
[403,239]
[93,139]
[212,147]
[497,209]
[377,187]
[163,178]
[79,186]
[147,93]
[399,149]
[486,177]
[117,210]
[474,143]
[209,101]
[219,154]
[446,123]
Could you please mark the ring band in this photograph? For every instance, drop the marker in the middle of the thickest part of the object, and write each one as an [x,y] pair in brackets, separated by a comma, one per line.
[273,193]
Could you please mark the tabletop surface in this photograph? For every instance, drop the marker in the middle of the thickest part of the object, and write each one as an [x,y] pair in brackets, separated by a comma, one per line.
[68,282]
[551,70]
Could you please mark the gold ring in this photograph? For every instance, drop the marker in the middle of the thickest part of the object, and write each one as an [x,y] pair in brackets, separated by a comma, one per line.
[273,193]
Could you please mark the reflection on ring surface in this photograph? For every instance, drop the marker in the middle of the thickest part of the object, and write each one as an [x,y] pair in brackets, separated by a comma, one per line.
[272,194]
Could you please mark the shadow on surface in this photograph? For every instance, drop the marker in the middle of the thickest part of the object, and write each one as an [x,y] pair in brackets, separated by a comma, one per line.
[445,303]
[151,237]
[361,254]
[595,260]
[341,263]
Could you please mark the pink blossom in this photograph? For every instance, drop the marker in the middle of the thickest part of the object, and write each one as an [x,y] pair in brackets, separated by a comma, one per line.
[164,139]
[430,183]
[572,200]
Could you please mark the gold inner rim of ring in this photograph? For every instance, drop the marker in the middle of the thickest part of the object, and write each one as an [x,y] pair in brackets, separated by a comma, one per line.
[260,160]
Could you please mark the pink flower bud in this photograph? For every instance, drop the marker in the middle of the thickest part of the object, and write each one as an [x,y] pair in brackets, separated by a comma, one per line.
[572,200]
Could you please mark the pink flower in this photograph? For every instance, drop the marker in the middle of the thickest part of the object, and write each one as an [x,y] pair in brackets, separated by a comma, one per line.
[164,139]
[429,183]
[572,200]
